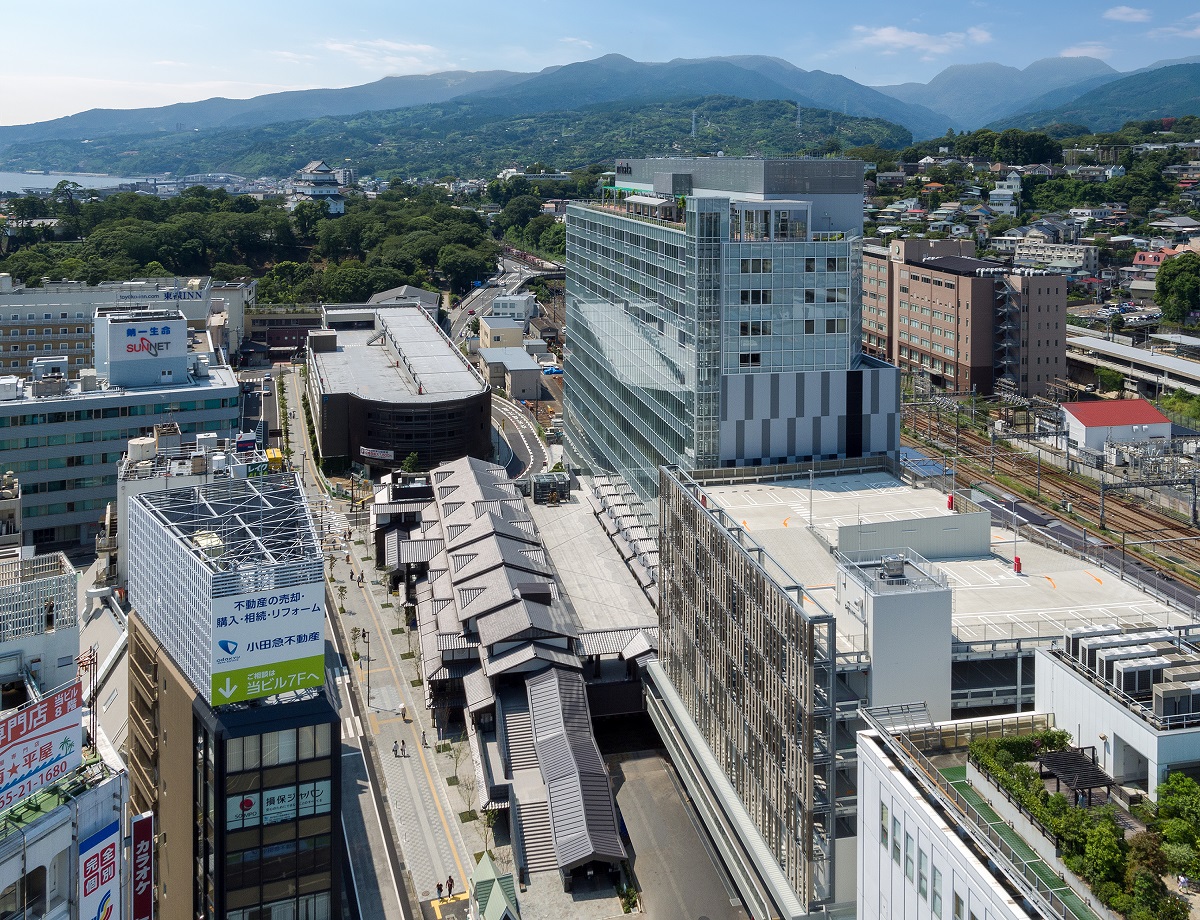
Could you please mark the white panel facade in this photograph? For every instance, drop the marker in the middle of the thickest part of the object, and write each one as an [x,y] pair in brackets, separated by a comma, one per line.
[911,863]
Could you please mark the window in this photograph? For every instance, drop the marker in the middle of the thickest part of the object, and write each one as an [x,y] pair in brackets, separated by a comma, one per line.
[755,327]
[810,296]
[935,903]
[756,266]
[908,857]
[810,327]
[756,296]
[959,906]
[750,359]
[896,841]
[923,874]
[883,824]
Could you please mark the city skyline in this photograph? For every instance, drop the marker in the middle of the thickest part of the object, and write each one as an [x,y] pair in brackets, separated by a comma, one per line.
[270,48]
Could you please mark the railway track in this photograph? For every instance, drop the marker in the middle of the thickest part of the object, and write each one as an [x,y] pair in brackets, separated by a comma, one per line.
[1145,530]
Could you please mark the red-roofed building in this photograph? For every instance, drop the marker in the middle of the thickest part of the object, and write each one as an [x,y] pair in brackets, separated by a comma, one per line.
[1091,424]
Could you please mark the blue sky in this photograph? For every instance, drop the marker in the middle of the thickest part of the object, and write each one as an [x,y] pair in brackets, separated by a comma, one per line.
[65,56]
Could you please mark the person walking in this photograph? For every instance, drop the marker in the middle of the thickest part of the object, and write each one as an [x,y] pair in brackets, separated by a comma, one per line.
[403,713]
[450,886]
[403,752]
[395,748]
[424,743]
[439,887]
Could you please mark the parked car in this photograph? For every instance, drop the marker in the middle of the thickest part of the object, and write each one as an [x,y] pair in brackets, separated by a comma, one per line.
[551,371]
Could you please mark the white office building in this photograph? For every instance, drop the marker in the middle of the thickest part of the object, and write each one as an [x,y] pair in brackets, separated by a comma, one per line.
[64,437]
[519,307]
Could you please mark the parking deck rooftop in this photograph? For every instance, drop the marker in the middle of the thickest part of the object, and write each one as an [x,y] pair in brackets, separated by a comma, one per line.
[992,603]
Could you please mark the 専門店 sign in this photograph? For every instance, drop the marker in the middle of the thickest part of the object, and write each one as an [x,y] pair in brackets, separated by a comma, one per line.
[100,874]
[40,743]
[268,643]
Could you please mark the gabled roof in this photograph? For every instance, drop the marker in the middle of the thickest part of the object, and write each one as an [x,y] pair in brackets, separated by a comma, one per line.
[1105,413]
[495,892]
[511,622]
[583,817]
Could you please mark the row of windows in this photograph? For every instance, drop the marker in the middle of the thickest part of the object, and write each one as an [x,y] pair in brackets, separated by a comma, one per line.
[755,327]
[756,296]
[16,317]
[756,266]
[91,504]
[85,415]
[33,331]
[922,878]
[271,749]
[307,907]
[50,346]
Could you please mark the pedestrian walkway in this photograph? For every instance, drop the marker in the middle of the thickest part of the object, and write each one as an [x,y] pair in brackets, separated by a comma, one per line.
[424,809]
[1050,878]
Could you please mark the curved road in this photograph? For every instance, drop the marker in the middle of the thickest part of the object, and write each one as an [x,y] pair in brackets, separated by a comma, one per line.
[516,426]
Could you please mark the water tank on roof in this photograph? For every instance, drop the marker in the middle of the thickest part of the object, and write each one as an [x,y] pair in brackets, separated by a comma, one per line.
[892,567]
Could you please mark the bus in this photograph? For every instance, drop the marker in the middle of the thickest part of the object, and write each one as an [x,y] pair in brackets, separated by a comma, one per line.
[274,459]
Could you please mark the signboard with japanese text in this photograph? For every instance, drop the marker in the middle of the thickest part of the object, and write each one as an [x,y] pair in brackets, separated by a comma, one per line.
[100,874]
[268,643]
[146,340]
[141,873]
[40,743]
[372,453]
[273,806]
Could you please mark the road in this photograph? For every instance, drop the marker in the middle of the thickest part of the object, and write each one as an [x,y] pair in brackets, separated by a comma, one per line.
[516,426]
[513,275]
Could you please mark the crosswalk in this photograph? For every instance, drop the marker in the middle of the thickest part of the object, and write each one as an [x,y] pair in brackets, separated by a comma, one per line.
[352,728]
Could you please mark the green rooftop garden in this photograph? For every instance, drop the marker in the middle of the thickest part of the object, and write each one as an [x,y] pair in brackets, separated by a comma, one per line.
[1125,873]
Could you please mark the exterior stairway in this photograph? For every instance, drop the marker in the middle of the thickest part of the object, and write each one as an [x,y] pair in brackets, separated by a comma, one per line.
[537,837]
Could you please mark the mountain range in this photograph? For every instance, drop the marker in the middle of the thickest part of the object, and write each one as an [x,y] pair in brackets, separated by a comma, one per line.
[1077,90]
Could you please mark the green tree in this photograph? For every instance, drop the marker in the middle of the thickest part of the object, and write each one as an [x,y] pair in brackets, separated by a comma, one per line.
[307,215]
[1103,858]
[460,265]
[1177,287]
[411,463]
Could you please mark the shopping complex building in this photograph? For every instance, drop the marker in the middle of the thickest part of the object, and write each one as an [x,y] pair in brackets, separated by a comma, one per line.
[229,716]
[713,308]
[395,388]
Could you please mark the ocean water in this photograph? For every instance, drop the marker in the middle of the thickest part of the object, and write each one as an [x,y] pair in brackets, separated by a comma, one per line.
[15,182]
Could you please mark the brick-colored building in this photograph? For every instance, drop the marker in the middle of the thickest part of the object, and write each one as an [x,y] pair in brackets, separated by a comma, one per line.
[930,307]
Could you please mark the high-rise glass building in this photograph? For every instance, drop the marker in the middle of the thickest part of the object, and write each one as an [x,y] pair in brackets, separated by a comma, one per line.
[714,319]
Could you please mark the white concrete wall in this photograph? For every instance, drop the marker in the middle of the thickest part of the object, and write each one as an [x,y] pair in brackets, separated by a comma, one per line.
[883,888]
[950,536]
[903,629]
[1081,709]
[1094,438]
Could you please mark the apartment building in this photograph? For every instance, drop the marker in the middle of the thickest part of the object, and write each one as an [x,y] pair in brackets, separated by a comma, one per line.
[937,311]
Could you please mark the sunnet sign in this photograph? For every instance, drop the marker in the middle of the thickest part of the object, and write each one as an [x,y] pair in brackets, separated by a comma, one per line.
[142,340]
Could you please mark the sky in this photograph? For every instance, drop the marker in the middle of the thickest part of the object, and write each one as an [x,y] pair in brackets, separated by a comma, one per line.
[67,56]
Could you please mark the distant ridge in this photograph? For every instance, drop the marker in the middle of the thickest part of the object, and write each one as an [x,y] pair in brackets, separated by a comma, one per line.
[1166,92]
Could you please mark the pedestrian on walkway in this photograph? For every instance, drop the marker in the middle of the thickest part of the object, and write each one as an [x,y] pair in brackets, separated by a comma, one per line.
[403,713]
[450,886]
[424,743]
[403,753]
[439,891]
[395,748]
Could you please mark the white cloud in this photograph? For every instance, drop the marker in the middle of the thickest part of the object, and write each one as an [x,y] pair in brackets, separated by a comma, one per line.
[893,40]
[1087,49]
[379,54]
[581,42]
[1127,14]
[291,57]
